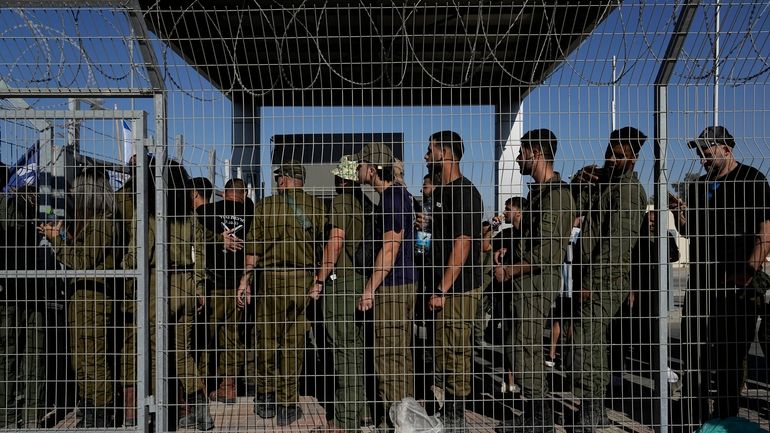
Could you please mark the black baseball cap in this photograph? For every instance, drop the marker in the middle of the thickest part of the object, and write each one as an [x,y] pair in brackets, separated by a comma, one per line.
[712,136]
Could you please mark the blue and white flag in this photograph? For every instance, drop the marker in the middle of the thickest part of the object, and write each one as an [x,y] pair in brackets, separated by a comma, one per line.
[25,172]
[128,141]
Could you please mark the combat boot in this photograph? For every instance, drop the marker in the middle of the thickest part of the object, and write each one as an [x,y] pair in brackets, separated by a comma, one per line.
[264,405]
[199,415]
[453,417]
[288,415]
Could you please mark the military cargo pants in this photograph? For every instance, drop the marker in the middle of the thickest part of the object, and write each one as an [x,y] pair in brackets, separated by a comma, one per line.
[22,364]
[224,319]
[530,310]
[345,336]
[454,345]
[590,334]
[280,332]
[182,303]
[89,316]
[393,315]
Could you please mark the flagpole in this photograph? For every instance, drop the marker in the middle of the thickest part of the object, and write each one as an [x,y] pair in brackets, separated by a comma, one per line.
[118,134]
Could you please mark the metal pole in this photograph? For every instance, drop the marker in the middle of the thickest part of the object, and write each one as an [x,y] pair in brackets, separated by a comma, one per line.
[142,292]
[161,267]
[661,203]
[614,94]
[716,64]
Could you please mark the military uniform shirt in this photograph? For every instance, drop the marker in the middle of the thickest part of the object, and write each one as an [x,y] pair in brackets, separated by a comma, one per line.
[347,215]
[547,225]
[613,218]
[91,249]
[278,236]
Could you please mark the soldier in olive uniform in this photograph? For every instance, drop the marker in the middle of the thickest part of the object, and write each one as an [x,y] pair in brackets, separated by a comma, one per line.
[612,202]
[89,243]
[341,285]
[549,214]
[185,294]
[22,314]
[282,240]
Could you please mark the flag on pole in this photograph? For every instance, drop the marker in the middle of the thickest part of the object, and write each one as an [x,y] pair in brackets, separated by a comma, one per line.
[128,141]
[25,171]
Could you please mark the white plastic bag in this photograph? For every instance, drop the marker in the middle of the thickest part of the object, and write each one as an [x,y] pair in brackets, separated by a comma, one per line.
[408,416]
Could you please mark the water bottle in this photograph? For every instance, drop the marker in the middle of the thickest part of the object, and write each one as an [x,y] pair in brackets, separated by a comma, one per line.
[422,243]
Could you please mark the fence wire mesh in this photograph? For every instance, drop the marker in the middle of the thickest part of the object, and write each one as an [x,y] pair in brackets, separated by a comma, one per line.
[294,216]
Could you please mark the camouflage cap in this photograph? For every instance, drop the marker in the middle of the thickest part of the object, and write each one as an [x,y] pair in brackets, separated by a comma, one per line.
[347,168]
[378,154]
[291,169]
[713,136]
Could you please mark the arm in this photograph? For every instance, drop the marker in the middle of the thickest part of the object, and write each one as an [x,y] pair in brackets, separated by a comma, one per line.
[90,253]
[391,242]
[618,236]
[461,248]
[200,256]
[332,251]
[761,247]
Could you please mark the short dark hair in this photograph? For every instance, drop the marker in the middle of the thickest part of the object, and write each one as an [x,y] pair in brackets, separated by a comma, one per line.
[428,177]
[450,139]
[235,183]
[516,201]
[202,186]
[542,139]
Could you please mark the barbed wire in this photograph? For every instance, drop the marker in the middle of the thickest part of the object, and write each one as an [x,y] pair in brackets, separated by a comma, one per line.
[66,56]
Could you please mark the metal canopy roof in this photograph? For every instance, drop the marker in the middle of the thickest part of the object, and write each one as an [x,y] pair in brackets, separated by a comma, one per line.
[342,53]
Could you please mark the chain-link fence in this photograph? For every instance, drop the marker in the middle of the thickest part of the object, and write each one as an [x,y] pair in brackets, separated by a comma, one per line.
[525,216]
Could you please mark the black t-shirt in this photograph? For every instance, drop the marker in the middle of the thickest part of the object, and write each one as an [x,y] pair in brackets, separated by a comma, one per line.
[457,211]
[723,219]
[507,238]
[216,218]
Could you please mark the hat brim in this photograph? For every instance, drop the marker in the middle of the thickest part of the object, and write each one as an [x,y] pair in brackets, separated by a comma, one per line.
[701,143]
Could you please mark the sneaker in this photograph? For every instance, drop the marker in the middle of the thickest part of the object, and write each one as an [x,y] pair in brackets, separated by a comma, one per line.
[265,406]
[550,363]
[671,376]
[287,415]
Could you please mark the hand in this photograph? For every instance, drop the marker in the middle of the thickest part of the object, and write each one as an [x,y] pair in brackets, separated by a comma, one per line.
[501,273]
[631,299]
[421,220]
[315,290]
[50,231]
[201,303]
[588,174]
[585,294]
[231,242]
[243,296]
[498,256]
[366,301]
[436,303]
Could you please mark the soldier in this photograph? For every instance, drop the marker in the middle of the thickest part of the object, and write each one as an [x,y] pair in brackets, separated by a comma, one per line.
[201,191]
[727,221]
[222,229]
[23,316]
[341,284]
[613,202]
[536,275]
[183,300]
[456,215]
[90,243]
[390,288]
[282,239]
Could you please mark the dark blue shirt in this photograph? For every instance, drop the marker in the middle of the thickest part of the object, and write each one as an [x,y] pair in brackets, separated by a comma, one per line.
[396,213]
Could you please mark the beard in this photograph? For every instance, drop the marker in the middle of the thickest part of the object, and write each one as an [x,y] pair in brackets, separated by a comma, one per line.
[434,170]
[525,167]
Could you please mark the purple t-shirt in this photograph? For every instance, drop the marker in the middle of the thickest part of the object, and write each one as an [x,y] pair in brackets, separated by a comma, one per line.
[395,212]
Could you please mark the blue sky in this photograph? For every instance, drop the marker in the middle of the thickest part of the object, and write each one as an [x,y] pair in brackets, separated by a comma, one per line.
[574,101]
